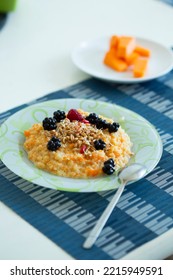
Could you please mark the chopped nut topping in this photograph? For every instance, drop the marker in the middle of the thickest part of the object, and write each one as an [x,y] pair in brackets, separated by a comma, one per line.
[78,133]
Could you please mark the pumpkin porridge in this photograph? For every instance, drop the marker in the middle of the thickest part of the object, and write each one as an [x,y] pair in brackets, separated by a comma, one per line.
[78,144]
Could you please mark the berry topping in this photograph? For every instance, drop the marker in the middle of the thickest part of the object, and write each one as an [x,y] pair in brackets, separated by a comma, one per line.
[74,115]
[49,124]
[99,144]
[101,124]
[59,115]
[108,169]
[92,118]
[83,149]
[109,161]
[85,121]
[92,121]
[53,144]
[113,127]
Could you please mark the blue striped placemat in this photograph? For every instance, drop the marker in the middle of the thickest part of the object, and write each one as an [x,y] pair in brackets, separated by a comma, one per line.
[145,210]
[170,2]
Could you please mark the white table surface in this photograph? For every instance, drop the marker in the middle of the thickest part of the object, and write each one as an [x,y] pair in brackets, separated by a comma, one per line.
[35,49]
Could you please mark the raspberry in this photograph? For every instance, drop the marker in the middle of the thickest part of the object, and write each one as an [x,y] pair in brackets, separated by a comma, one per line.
[83,149]
[74,115]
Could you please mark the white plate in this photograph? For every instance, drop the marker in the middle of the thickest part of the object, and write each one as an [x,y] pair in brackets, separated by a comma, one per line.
[88,56]
[147,146]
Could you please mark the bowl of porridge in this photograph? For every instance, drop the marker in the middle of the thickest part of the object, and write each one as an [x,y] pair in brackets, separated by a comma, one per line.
[76,145]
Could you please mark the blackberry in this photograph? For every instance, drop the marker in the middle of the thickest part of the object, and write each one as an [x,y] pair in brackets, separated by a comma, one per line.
[92,121]
[53,144]
[109,161]
[113,127]
[92,118]
[108,169]
[99,144]
[101,124]
[59,115]
[49,124]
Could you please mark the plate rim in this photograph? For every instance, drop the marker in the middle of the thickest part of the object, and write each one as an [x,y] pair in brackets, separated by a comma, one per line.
[125,80]
[84,100]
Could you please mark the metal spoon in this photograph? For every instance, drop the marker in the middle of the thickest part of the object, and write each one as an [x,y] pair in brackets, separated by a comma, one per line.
[130,173]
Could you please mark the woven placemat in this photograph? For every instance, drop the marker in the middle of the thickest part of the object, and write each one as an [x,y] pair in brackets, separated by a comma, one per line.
[170,2]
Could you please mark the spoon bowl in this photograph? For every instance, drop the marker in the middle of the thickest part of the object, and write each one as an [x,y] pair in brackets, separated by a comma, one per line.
[132,173]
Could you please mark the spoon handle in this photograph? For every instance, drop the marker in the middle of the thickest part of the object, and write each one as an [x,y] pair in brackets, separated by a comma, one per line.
[103,219]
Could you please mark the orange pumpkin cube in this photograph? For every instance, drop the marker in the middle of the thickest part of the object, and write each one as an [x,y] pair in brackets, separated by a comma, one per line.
[126,46]
[114,62]
[114,42]
[130,59]
[140,67]
[142,51]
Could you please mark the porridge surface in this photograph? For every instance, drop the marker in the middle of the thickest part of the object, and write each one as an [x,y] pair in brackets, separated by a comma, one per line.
[77,156]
